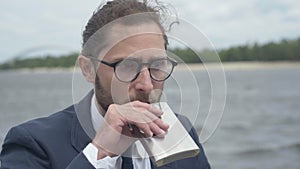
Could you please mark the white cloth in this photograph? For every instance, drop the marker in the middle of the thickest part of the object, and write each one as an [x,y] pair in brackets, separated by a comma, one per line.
[91,152]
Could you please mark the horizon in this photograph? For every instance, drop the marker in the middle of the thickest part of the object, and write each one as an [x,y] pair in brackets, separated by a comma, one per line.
[54,53]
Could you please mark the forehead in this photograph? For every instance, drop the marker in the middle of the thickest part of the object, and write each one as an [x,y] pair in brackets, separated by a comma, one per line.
[136,40]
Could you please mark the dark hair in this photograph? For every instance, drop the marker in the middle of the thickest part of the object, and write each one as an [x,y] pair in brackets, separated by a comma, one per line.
[116,9]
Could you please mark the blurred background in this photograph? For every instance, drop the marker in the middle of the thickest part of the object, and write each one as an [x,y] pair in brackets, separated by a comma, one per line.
[257,41]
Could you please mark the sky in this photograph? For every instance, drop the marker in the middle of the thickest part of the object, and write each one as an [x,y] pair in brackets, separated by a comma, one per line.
[55,26]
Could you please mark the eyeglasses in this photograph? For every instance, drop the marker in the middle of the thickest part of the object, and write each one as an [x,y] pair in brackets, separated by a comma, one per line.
[127,70]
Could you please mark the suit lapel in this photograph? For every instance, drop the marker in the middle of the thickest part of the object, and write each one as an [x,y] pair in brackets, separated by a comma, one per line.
[82,131]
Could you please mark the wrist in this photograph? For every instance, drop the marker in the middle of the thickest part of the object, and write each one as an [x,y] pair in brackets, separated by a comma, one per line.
[101,152]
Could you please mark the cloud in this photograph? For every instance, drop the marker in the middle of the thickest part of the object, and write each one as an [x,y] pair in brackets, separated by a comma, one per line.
[37,23]
[226,23]
[234,22]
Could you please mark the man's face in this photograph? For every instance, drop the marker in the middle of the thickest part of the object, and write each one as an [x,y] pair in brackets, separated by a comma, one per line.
[144,47]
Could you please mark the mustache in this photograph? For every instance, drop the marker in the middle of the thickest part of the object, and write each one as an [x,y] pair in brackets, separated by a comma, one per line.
[141,97]
[147,98]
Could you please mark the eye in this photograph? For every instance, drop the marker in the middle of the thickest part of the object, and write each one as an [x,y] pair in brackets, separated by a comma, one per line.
[128,64]
[159,64]
[126,70]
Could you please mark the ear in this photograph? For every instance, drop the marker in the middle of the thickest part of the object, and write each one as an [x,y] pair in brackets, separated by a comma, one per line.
[87,68]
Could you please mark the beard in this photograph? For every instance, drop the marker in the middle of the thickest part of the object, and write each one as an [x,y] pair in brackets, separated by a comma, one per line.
[104,96]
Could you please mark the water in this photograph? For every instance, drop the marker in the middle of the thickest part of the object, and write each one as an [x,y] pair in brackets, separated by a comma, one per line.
[260,127]
[261,123]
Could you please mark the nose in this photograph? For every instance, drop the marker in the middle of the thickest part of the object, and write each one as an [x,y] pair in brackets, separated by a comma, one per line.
[144,81]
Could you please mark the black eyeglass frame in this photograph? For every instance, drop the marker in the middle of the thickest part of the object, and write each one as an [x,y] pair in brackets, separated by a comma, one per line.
[141,64]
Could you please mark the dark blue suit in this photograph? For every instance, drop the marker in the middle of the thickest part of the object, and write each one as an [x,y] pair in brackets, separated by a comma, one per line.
[57,141]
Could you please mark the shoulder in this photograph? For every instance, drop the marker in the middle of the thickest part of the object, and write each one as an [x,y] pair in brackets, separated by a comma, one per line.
[53,121]
[40,128]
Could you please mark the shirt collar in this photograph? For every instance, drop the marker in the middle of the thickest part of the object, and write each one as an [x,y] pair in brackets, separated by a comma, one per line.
[97,118]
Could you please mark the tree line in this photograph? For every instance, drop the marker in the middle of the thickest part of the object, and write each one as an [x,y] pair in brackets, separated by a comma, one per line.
[284,50]
[287,50]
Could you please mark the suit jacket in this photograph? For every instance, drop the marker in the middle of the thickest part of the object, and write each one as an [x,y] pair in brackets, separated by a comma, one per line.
[57,141]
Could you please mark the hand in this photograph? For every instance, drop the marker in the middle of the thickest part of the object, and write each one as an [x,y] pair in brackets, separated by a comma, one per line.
[116,133]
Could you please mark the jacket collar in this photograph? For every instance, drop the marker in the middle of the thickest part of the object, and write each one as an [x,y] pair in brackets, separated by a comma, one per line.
[82,131]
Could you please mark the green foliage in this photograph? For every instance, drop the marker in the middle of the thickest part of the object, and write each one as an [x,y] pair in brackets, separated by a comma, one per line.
[48,62]
[283,50]
[186,55]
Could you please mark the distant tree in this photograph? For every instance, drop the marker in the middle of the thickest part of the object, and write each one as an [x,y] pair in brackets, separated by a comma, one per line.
[283,50]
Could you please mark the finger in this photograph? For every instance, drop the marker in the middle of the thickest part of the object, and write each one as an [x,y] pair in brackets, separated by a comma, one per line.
[150,128]
[143,129]
[138,115]
[149,107]
[157,131]
[157,112]
[140,104]
[162,125]
[152,118]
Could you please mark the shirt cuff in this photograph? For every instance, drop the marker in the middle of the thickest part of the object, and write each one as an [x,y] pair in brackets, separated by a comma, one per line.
[91,153]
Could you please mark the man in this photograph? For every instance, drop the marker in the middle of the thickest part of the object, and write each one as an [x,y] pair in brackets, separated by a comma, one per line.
[124,56]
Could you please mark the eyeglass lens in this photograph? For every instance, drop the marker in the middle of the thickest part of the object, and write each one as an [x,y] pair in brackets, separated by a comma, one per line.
[128,69]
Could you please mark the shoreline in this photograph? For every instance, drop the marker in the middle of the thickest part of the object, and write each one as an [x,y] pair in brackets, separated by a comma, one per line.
[192,66]
[240,65]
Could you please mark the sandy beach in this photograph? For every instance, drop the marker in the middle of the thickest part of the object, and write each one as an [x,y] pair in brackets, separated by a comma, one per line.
[239,65]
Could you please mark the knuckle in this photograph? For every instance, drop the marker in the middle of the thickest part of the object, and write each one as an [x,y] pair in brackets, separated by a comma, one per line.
[112,107]
[136,102]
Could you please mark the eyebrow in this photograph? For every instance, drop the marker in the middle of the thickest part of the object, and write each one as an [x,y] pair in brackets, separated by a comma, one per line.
[159,57]
[120,58]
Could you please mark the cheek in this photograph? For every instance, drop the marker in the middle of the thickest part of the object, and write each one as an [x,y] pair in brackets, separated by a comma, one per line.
[105,78]
[158,85]
[119,91]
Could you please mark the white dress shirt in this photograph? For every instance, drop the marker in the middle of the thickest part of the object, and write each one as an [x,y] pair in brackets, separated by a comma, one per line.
[140,157]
